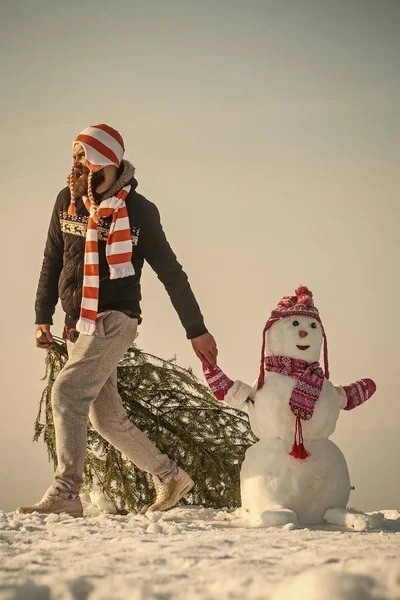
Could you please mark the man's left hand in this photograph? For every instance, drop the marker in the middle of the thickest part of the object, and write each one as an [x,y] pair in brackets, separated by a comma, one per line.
[206,347]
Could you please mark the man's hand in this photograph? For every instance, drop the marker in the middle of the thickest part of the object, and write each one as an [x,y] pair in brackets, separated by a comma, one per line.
[206,347]
[46,339]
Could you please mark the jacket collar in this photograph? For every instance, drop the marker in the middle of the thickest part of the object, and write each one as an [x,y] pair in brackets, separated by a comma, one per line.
[126,175]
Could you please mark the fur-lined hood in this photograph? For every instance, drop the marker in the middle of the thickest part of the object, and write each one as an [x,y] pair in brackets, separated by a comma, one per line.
[126,173]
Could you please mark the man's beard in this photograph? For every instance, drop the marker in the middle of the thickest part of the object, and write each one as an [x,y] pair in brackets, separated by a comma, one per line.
[80,181]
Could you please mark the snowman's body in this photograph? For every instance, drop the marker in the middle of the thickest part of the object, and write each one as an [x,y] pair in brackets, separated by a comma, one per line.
[273,479]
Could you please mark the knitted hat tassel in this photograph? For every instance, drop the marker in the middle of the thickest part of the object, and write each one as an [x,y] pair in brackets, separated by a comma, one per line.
[298,449]
[71,207]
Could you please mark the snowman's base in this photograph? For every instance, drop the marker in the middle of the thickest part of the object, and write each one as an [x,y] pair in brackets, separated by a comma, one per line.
[273,481]
[277,517]
[348,518]
[353,519]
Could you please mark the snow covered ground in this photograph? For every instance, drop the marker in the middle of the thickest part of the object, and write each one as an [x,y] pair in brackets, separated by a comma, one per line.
[193,553]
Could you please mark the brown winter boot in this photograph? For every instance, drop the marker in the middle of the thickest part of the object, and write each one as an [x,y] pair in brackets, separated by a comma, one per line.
[170,491]
[55,505]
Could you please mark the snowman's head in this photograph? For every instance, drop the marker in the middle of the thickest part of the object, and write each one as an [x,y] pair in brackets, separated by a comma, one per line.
[294,329]
[296,337]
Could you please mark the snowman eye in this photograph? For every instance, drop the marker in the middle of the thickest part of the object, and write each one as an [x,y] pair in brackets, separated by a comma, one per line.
[296,323]
[314,325]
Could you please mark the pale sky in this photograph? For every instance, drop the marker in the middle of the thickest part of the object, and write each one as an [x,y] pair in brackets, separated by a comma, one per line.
[267,133]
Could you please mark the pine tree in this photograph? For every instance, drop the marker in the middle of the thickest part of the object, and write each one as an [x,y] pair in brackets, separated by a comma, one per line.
[178,413]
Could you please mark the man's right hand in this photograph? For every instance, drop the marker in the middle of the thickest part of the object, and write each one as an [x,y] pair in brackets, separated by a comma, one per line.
[46,339]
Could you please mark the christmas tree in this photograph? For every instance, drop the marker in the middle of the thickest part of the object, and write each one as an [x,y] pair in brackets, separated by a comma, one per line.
[179,415]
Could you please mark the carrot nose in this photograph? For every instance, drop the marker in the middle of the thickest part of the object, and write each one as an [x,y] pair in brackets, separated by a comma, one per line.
[303,334]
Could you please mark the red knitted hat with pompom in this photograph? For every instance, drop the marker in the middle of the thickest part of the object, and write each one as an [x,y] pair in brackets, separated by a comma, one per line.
[301,305]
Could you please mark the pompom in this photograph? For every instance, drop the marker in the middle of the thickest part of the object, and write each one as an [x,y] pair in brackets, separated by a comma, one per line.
[303,291]
[287,302]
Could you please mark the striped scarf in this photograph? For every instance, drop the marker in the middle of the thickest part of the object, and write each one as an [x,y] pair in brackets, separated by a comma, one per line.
[309,382]
[118,253]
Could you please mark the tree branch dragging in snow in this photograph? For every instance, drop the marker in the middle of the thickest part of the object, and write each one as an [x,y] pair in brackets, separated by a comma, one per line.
[180,416]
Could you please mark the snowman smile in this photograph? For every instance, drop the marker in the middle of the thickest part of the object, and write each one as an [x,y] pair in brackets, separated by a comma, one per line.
[303,347]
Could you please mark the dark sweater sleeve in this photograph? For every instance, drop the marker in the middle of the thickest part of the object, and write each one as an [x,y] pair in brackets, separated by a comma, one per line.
[47,291]
[158,253]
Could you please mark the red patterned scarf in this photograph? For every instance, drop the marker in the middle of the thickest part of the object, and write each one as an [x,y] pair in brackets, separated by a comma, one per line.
[309,382]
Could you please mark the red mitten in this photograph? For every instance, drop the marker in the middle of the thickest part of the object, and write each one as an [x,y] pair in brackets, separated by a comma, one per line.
[217,380]
[357,393]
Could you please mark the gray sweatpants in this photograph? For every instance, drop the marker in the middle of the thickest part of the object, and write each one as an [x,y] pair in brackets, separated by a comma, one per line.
[87,386]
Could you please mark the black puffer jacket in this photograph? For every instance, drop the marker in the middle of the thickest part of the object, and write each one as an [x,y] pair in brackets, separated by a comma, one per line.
[62,270]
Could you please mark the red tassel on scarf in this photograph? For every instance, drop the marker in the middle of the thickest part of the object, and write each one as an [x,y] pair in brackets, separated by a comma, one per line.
[298,450]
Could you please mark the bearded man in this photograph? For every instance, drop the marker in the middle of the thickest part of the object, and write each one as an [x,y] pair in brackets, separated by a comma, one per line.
[100,234]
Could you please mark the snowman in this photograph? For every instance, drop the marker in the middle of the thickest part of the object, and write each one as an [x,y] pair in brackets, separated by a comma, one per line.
[294,473]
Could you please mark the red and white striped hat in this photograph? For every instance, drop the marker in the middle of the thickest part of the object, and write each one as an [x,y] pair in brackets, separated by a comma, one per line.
[103,146]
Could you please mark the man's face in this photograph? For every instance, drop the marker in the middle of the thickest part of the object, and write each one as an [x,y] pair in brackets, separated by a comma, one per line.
[81,172]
